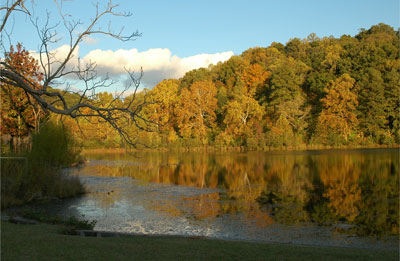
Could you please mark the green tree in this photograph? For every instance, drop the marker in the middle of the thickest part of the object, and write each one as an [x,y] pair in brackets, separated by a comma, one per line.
[372,103]
[197,75]
[392,93]
[286,80]
[285,100]
[229,75]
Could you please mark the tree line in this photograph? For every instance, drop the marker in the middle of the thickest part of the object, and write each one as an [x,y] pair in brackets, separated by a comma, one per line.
[313,91]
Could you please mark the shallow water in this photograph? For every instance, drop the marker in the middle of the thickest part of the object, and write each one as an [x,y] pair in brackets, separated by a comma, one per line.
[333,198]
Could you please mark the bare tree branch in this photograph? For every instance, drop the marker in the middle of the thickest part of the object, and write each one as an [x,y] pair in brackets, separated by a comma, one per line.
[56,70]
[11,7]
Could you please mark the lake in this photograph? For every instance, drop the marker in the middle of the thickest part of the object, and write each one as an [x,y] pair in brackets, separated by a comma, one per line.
[334,197]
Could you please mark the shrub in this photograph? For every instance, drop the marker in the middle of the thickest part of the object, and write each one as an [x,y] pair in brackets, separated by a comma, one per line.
[54,146]
[36,174]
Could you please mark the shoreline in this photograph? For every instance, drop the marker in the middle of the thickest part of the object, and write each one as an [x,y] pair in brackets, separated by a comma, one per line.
[23,241]
[107,234]
[15,213]
[238,149]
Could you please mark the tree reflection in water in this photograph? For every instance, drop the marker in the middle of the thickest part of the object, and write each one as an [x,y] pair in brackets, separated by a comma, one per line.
[359,187]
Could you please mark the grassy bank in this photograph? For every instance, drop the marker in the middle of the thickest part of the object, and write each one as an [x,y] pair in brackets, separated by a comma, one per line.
[43,242]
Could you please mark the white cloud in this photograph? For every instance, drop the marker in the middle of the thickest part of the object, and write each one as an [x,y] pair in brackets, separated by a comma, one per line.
[115,61]
[90,40]
[57,56]
[157,64]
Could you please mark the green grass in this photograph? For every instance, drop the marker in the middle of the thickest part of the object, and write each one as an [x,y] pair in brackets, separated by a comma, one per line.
[43,242]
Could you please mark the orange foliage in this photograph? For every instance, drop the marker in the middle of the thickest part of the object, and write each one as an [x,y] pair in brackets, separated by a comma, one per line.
[19,111]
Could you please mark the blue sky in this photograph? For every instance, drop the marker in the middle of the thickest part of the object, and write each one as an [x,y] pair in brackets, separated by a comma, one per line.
[190,27]
[181,35]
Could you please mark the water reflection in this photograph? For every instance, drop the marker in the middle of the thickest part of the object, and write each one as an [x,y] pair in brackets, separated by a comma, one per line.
[355,187]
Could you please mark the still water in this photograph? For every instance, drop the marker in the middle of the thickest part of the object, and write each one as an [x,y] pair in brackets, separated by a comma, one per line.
[338,197]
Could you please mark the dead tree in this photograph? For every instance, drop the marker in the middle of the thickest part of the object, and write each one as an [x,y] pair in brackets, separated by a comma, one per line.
[56,70]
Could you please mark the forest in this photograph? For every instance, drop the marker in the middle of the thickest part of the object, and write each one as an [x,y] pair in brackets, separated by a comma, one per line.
[309,92]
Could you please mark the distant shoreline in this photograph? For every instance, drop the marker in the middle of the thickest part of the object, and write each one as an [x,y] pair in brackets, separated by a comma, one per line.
[238,149]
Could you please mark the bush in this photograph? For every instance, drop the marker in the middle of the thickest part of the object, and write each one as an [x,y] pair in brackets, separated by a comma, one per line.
[13,181]
[36,174]
[55,146]
[386,138]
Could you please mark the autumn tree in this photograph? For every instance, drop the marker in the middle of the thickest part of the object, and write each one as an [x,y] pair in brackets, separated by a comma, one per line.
[164,100]
[256,56]
[242,117]
[293,121]
[196,111]
[339,114]
[333,55]
[280,95]
[20,113]
[243,113]
[96,130]
[254,77]
[57,71]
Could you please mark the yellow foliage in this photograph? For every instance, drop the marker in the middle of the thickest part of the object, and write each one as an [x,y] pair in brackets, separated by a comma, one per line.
[196,110]
[241,114]
[339,113]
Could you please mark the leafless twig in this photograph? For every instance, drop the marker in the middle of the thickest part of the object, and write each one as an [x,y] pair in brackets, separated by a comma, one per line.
[55,70]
